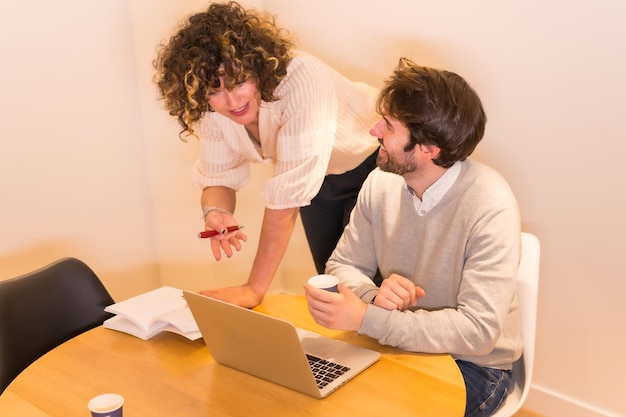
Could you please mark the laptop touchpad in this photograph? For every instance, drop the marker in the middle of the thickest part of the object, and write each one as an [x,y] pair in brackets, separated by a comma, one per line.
[318,345]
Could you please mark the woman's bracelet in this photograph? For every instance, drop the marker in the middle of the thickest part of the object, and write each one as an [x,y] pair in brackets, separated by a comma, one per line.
[208,209]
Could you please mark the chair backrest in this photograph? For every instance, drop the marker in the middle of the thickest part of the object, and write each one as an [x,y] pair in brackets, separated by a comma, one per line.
[44,308]
[527,292]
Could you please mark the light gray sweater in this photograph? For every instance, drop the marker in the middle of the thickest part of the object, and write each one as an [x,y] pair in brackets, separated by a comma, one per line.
[464,253]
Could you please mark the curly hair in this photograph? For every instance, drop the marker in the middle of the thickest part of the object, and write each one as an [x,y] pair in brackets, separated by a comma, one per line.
[438,107]
[247,43]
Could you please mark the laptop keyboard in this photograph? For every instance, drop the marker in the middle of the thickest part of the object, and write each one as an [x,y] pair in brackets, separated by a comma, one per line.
[325,371]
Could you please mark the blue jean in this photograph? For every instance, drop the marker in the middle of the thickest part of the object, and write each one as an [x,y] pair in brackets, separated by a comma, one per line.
[486,388]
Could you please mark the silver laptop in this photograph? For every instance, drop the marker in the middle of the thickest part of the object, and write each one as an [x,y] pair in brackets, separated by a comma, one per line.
[274,349]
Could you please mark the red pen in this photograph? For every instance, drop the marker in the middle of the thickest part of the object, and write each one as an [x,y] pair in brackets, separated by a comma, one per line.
[210,233]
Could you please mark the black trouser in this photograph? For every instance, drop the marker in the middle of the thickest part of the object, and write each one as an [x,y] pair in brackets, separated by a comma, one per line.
[329,212]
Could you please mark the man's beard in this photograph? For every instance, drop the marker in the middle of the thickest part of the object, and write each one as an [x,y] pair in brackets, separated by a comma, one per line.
[389,164]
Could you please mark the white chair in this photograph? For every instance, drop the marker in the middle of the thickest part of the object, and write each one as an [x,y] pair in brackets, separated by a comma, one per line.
[527,291]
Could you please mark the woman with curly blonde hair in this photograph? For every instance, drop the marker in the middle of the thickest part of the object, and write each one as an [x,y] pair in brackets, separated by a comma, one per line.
[231,77]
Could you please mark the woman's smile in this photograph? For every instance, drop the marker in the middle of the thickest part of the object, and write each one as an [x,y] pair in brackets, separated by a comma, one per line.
[241,110]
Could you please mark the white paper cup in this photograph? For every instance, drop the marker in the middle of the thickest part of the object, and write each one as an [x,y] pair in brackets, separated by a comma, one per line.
[106,405]
[324,282]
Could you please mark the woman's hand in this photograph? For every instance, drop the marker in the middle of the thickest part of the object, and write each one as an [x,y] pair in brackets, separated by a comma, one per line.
[243,296]
[219,221]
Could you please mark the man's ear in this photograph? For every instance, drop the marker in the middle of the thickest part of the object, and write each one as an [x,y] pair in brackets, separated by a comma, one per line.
[430,151]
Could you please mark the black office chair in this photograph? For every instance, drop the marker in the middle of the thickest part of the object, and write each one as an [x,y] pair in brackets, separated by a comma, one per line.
[44,308]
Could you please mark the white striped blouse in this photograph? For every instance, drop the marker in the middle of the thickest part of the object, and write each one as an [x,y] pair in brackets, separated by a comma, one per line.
[320,125]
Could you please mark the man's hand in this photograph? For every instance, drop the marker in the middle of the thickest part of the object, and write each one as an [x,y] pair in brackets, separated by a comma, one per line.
[398,293]
[337,311]
[243,296]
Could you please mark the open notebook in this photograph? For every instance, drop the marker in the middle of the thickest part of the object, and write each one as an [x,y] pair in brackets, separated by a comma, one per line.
[274,349]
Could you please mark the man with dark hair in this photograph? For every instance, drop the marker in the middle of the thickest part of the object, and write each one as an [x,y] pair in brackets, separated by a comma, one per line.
[443,230]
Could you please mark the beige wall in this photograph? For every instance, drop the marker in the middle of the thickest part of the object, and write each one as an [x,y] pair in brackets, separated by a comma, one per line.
[73,180]
[90,165]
